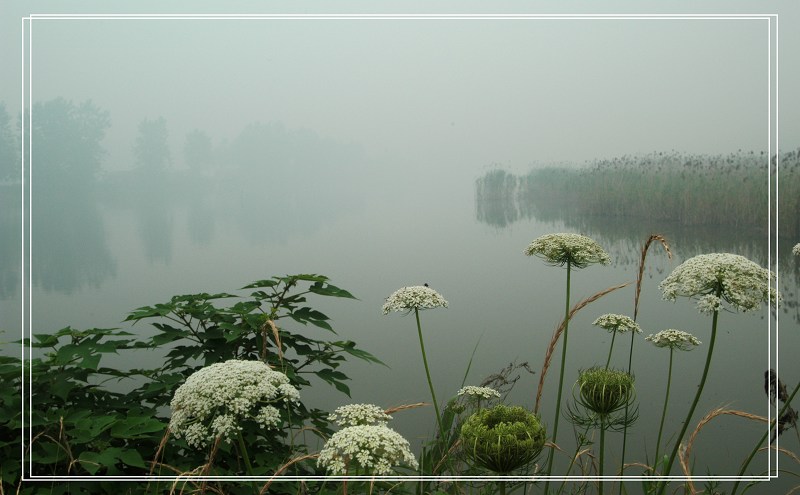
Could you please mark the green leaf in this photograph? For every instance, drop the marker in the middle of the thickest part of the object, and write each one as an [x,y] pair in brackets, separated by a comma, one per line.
[131,457]
[137,427]
[88,429]
[260,284]
[90,362]
[330,290]
[94,461]
[334,378]
[349,347]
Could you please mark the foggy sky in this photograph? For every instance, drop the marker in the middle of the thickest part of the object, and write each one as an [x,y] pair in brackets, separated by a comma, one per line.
[424,95]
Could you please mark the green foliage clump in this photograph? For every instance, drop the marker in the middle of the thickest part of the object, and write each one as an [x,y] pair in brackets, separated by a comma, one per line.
[80,427]
[503,438]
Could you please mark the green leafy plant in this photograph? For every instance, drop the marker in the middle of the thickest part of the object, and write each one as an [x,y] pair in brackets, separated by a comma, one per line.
[81,425]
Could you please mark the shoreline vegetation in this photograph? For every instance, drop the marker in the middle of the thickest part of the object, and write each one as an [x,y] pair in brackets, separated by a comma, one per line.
[228,401]
[661,187]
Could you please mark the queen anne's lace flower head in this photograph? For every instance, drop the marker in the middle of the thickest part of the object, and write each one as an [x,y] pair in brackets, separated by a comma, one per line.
[717,277]
[472,391]
[674,339]
[559,249]
[359,414]
[214,401]
[365,449]
[796,249]
[414,297]
[617,323]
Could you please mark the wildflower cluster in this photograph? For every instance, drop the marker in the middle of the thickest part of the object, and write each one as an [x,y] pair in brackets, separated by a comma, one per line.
[559,249]
[365,449]
[796,249]
[479,393]
[214,401]
[718,277]
[617,323]
[414,297]
[359,414]
[674,339]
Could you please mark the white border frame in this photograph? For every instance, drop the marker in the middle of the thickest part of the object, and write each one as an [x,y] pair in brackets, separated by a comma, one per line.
[27,61]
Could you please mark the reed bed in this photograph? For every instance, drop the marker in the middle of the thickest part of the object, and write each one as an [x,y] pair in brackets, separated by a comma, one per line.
[731,190]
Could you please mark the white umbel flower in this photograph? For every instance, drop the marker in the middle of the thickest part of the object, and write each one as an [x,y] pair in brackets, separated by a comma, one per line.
[796,249]
[617,323]
[479,392]
[366,449]
[414,297]
[717,277]
[674,339]
[359,414]
[214,401]
[559,249]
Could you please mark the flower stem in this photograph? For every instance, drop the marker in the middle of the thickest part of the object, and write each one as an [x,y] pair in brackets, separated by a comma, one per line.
[602,448]
[246,458]
[696,400]
[428,374]
[764,438]
[560,382]
[613,336]
[627,404]
[666,401]
[243,451]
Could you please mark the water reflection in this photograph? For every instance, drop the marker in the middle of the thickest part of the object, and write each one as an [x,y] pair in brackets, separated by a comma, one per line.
[269,184]
[68,240]
[502,198]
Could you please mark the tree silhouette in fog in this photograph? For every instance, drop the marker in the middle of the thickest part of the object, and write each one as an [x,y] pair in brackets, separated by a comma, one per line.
[67,231]
[198,152]
[151,150]
[9,148]
[66,143]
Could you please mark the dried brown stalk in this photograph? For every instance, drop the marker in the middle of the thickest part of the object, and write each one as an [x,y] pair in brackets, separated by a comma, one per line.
[643,257]
[283,468]
[557,335]
[160,449]
[685,452]
[275,335]
[395,409]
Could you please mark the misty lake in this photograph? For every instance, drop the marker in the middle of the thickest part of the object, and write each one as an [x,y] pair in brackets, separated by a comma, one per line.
[128,242]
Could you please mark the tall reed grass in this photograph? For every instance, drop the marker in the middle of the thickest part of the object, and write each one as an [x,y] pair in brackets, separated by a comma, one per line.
[731,190]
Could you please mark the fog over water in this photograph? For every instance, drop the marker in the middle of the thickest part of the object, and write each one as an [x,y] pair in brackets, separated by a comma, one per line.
[176,156]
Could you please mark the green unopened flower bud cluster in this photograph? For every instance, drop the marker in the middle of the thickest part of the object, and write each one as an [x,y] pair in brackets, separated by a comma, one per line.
[603,390]
[217,399]
[502,438]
